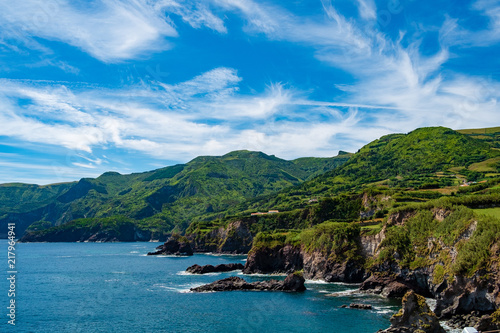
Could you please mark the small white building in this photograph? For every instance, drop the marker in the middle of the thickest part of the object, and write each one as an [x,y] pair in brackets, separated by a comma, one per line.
[469,330]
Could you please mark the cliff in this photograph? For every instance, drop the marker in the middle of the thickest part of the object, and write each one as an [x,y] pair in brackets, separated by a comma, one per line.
[414,316]
[448,253]
[234,238]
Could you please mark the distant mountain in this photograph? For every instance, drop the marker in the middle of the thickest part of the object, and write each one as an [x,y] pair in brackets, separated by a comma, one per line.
[239,183]
[162,199]
[424,158]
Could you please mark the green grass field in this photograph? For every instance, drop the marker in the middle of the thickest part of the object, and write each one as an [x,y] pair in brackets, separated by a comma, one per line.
[480,130]
[495,212]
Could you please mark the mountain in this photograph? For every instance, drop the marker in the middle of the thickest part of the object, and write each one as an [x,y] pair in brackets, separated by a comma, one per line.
[162,200]
[426,158]
[421,165]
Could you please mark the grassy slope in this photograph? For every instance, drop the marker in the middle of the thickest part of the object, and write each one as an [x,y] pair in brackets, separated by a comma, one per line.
[489,135]
[424,158]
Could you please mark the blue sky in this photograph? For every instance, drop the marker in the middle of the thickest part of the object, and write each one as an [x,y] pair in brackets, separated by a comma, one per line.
[92,86]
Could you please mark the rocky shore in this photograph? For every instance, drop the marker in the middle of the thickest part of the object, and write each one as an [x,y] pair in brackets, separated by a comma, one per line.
[414,316]
[175,245]
[197,269]
[293,282]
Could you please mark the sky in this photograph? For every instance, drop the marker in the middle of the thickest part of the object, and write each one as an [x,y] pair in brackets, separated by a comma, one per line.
[131,86]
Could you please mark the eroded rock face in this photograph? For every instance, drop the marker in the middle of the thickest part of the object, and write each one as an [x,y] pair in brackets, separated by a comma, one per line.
[175,245]
[285,259]
[236,238]
[293,282]
[415,316]
[465,295]
[317,265]
[197,269]
[386,286]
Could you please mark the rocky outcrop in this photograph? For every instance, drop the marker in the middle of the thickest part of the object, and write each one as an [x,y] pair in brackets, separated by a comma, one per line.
[415,316]
[293,282]
[197,269]
[400,217]
[316,265]
[387,286]
[319,266]
[360,306]
[175,245]
[464,295]
[279,259]
[235,238]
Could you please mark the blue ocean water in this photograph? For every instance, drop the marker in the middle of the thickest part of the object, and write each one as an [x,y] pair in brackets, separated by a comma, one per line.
[114,287]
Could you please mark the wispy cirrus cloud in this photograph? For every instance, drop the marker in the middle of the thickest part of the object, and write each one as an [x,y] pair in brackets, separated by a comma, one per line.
[108,30]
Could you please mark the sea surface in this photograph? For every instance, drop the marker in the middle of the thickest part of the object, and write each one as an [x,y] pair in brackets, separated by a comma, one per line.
[115,287]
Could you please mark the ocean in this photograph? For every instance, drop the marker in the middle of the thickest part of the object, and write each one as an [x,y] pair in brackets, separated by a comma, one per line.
[115,287]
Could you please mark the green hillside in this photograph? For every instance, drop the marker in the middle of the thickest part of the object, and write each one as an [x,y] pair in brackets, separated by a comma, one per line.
[395,170]
[427,158]
[164,199]
[489,135]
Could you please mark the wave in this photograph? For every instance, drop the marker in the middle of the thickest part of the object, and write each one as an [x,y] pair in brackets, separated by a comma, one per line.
[183,288]
[384,309]
[184,273]
[263,275]
[345,293]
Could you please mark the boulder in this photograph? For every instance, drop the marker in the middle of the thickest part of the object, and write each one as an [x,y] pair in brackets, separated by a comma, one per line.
[386,286]
[175,245]
[197,269]
[414,316]
[360,306]
[293,282]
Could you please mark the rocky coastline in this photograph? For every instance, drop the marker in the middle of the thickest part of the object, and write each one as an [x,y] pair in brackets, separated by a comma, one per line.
[175,245]
[293,283]
[197,269]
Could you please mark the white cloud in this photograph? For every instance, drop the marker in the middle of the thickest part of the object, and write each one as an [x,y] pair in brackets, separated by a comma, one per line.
[109,30]
[367,9]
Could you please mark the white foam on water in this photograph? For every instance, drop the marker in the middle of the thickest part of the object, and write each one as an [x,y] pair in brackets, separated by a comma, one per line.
[184,288]
[118,272]
[317,282]
[259,274]
[134,252]
[345,293]
[184,273]
[384,309]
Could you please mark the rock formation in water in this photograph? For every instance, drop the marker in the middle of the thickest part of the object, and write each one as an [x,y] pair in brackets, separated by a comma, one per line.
[197,269]
[235,238]
[415,316]
[293,282]
[175,245]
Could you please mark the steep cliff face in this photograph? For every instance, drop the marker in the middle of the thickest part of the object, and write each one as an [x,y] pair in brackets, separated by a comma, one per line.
[450,255]
[315,265]
[318,266]
[279,259]
[234,238]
